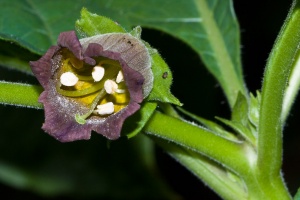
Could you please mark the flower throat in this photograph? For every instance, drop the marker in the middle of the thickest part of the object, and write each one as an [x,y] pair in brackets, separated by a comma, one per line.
[100,87]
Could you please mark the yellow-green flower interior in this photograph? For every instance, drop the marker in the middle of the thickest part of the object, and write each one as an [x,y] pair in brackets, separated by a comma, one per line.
[100,87]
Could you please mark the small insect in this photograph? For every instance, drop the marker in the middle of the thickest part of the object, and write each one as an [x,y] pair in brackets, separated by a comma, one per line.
[165,75]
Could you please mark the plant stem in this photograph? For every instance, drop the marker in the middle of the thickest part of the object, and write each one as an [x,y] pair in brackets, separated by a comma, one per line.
[274,84]
[200,140]
[19,94]
[193,140]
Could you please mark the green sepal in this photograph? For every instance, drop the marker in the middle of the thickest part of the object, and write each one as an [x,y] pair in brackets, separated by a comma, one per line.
[136,32]
[92,24]
[240,110]
[162,81]
[254,108]
[135,123]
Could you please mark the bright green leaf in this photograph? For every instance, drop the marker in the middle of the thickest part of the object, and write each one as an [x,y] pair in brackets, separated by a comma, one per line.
[162,82]
[92,24]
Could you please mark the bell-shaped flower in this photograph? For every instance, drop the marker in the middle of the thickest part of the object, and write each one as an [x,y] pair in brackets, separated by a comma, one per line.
[92,84]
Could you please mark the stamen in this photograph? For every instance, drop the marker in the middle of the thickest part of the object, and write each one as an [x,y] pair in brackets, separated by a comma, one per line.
[110,86]
[98,73]
[120,91]
[120,77]
[105,109]
[68,79]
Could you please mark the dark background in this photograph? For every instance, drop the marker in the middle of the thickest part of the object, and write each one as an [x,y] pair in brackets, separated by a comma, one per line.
[260,22]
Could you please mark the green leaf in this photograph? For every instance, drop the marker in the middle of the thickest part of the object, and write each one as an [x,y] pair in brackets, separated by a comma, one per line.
[162,82]
[134,124]
[240,110]
[19,94]
[92,24]
[208,26]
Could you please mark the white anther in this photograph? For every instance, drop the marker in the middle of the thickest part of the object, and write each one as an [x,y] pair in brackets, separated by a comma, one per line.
[68,79]
[120,77]
[105,109]
[110,86]
[98,73]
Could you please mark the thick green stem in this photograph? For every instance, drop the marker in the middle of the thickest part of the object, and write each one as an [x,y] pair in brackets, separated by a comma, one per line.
[274,85]
[20,94]
[238,157]
[199,139]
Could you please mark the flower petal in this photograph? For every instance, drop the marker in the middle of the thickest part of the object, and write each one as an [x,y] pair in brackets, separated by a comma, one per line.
[60,111]
[42,68]
[132,51]
[70,41]
[59,117]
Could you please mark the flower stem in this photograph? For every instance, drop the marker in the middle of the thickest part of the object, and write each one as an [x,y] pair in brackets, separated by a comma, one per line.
[20,94]
[196,147]
[274,85]
[198,139]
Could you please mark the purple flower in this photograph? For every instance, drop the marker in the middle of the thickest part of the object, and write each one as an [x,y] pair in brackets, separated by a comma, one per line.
[92,84]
